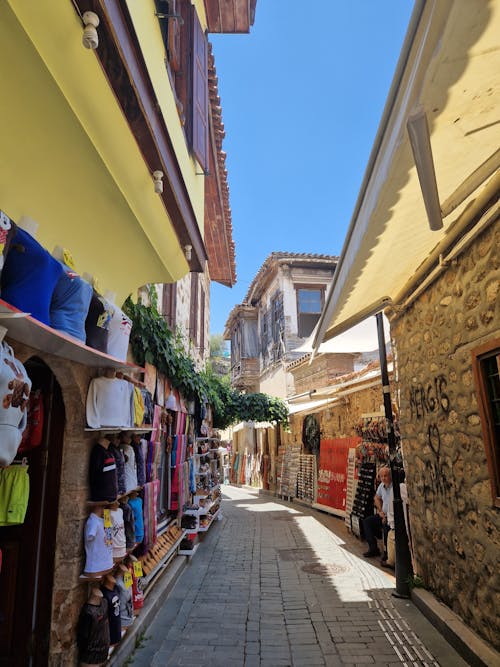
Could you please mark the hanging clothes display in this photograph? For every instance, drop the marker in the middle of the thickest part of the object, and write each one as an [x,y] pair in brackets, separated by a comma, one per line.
[14,494]
[15,387]
[29,276]
[70,303]
[150,512]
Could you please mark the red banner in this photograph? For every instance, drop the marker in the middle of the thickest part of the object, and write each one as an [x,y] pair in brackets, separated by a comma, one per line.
[332,475]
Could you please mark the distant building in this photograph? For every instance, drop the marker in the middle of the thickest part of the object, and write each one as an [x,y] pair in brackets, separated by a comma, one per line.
[278,315]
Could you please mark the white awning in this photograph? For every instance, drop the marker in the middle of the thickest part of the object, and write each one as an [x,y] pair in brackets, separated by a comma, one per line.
[361,338]
[450,67]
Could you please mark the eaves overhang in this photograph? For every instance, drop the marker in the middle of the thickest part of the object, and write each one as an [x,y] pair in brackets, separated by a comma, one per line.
[450,68]
[230,16]
[218,223]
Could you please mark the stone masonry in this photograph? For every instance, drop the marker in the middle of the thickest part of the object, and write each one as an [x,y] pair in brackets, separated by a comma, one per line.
[455,527]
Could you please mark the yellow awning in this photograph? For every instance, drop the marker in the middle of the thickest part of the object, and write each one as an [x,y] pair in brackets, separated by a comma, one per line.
[450,66]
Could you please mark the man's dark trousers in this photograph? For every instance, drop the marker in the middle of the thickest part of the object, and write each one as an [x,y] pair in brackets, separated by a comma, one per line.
[373,528]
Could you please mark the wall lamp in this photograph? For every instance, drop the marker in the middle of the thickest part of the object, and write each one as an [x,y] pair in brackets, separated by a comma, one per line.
[420,140]
[158,181]
[90,38]
[187,252]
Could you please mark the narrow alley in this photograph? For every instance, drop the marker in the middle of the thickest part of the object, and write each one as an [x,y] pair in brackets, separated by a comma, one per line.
[277,584]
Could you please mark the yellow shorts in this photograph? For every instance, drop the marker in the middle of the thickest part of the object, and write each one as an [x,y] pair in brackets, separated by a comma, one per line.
[14,494]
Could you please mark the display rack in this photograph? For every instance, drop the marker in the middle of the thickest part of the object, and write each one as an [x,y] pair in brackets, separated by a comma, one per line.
[29,331]
[363,500]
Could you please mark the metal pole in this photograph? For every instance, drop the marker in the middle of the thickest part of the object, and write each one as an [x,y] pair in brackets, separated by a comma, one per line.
[403,557]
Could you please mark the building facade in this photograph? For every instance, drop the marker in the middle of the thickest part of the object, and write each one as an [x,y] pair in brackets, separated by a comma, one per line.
[112,147]
[279,313]
[434,269]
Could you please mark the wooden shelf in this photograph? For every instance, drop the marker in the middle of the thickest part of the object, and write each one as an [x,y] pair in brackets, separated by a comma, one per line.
[119,429]
[29,331]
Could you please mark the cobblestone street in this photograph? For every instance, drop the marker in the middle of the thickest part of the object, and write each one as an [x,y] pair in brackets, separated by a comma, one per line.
[277,584]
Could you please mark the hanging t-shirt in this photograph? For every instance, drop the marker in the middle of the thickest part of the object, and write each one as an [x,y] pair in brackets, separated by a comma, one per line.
[136,505]
[97,323]
[115,625]
[140,464]
[118,533]
[126,604]
[70,304]
[29,276]
[137,589]
[102,474]
[120,468]
[148,407]
[130,469]
[92,635]
[32,435]
[98,546]
[138,407]
[109,403]
[129,523]
[15,387]
[7,232]
[120,327]
[14,494]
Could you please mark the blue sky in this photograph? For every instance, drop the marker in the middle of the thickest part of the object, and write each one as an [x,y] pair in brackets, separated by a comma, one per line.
[302,96]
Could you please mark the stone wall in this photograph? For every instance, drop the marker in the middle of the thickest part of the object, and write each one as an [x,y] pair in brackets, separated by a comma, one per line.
[338,420]
[456,529]
[68,593]
[323,371]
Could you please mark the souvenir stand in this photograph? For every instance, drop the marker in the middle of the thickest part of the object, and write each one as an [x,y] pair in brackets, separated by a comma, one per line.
[370,455]
[206,475]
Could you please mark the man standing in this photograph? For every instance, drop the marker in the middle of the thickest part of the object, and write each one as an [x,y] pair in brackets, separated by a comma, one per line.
[376,526]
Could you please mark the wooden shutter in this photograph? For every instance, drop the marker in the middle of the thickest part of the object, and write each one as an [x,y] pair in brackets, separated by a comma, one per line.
[200,94]
[193,308]
[174,36]
[169,304]
[202,321]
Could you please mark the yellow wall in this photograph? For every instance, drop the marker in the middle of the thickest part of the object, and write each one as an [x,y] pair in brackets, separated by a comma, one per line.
[153,50]
[68,158]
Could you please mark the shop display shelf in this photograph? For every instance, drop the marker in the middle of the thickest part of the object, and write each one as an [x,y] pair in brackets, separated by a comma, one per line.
[190,552]
[203,511]
[192,512]
[119,429]
[163,563]
[203,529]
[26,329]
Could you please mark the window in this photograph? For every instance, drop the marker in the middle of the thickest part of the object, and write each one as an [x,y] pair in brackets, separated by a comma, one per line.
[186,55]
[169,303]
[486,366]
[309,305]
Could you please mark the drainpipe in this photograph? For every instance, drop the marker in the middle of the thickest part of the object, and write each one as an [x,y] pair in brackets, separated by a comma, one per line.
[403,557]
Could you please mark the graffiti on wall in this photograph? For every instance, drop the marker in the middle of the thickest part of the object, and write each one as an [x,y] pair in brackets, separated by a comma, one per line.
[427,402]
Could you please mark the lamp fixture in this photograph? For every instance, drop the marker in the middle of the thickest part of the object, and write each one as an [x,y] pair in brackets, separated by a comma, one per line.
[418,131]
[187,252]
[90,38]
[158,181]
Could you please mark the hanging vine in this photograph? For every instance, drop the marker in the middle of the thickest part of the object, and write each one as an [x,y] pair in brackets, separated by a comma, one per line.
[153,342]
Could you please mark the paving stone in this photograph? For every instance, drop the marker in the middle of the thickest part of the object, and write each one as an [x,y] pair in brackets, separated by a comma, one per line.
[240,603]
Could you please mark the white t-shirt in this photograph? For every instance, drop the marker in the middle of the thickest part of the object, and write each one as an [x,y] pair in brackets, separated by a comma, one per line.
[109,403]
[384,493]
[390,512]
[118,533]
[120,327]
[98,546]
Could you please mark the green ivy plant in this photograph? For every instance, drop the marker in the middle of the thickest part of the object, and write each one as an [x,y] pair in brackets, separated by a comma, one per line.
[153,342]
